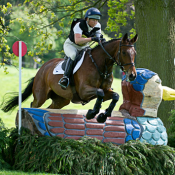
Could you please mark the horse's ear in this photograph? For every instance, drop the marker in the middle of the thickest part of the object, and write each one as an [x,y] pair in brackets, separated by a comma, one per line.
[134,39]
[124,39]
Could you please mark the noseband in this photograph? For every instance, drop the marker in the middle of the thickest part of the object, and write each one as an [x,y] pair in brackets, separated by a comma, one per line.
[118,62]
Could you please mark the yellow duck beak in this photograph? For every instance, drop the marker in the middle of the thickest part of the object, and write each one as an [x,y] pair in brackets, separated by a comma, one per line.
[168,93]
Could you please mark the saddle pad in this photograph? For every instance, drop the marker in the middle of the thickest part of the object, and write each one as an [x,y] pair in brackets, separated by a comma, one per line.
[58,69]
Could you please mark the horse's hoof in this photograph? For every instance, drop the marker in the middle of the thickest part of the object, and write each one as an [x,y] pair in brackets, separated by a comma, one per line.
[90,114]
[101,118]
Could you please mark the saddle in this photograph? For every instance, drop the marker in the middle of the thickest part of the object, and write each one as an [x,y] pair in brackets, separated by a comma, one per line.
[77,58]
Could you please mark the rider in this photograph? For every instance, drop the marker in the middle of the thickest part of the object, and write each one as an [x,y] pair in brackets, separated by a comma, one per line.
[87,30]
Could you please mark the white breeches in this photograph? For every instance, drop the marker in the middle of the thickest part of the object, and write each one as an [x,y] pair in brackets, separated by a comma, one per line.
[71,49]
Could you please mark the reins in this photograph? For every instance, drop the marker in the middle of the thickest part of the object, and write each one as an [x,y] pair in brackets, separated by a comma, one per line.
[105,75]
[118,62]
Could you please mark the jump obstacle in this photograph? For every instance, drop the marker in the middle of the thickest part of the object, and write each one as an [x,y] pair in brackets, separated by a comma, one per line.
[136,118]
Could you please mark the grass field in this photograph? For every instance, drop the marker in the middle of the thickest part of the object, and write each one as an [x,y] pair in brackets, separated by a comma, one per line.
[9,83]
[21,173]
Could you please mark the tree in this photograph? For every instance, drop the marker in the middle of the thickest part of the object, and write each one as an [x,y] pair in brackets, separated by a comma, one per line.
[59,15]
[155,25]
[4,31]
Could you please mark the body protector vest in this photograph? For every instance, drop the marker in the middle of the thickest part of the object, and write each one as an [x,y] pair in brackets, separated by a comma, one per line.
[83,27]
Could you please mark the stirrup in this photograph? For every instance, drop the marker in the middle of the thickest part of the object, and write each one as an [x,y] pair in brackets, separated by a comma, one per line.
[64,87]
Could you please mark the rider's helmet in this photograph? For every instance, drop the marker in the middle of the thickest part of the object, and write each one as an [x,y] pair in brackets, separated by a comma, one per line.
[93,13]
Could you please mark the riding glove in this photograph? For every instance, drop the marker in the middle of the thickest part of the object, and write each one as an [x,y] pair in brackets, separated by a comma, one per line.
[103,40]
[96,39]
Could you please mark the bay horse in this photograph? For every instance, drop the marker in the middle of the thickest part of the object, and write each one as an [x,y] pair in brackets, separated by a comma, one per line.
[93,79]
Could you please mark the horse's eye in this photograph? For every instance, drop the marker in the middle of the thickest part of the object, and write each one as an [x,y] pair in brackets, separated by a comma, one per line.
[123,52]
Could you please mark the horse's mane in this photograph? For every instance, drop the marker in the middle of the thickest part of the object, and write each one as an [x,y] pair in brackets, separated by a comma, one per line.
[105,43]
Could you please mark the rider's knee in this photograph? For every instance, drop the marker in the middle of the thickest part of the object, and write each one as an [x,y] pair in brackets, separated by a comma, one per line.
[73,56]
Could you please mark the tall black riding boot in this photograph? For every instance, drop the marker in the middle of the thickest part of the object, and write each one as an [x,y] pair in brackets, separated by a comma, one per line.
[64,81]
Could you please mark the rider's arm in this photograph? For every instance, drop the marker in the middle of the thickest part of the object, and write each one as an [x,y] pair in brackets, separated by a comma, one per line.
[78,35]
[80,40]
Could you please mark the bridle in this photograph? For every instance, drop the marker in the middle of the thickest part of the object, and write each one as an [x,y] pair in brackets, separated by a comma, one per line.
[107,74]
[118,62]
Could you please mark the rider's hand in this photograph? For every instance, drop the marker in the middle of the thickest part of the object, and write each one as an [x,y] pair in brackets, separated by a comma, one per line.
[96,39]
[103,40]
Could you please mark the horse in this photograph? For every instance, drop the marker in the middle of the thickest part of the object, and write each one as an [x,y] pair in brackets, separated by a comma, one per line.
[92,80]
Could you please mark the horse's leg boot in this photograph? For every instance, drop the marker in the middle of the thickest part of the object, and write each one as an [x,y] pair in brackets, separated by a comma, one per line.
[64,81]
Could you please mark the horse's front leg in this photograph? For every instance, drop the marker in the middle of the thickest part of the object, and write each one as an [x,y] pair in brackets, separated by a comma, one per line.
[115,97]
[92,112]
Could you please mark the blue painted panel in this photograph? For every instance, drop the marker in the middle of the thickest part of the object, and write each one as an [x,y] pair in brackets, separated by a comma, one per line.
[160,142]
[129,128]
[153,121]
[42,126]
[154,132]
[140,70]
[151,128]
[38,118]
[46,134]
[159,121]
[156,136]
[135,124]
[152,141]
[39,113]
[136,133]
[128,138]
[147,135]
[35,110]
[127,121]
[161,128]
[148,74]
[138,87]
[124,77]
[139,80]
[163,136]
[142,120]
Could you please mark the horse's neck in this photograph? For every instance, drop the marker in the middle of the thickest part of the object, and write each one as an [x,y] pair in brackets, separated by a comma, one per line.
[112,47]
[101,58]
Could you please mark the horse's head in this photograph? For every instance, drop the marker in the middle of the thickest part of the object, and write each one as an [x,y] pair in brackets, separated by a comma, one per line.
[126,55]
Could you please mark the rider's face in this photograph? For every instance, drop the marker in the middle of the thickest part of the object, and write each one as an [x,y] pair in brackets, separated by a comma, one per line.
[92,22]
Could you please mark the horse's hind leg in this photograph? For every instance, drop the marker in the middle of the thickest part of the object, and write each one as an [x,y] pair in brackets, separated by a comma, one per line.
[40,96]
[58,102]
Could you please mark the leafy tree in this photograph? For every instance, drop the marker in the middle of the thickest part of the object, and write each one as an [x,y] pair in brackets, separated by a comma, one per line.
[4,31]
[155,24]
[120,12]
[46,16]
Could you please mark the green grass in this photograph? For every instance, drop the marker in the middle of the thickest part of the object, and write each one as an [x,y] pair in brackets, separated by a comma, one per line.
[4,172]
[9,83]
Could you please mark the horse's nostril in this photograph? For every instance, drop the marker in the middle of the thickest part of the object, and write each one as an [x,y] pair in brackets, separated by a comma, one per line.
[132,77]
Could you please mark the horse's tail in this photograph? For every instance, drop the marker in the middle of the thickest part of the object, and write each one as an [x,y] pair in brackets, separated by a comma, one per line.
[10,100]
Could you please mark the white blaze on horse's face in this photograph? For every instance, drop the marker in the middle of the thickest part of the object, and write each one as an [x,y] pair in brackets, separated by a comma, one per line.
[131,51]
[130,54]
